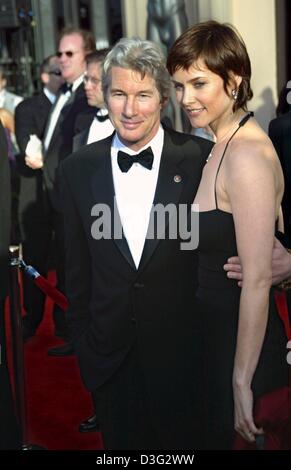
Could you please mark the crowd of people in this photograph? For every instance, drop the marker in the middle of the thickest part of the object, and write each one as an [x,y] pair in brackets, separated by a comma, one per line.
[176,346]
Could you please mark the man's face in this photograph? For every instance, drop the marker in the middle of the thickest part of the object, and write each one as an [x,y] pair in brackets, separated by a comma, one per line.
[93,85]
[134,106]
[72,59]
[53,78]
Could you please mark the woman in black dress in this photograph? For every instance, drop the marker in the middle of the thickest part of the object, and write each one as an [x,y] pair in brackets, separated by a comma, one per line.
[239,197]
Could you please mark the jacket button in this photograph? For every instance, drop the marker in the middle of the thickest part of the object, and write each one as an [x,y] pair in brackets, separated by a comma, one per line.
[138,285]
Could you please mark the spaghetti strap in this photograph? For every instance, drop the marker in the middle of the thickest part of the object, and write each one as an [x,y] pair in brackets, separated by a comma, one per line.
[240,124]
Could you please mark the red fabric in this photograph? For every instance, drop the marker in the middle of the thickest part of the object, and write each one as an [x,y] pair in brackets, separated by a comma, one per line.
[282,307]
[52,292]
[55,397]
[273,411]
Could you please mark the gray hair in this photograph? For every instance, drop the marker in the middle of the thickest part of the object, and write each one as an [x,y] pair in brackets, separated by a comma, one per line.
[142,56]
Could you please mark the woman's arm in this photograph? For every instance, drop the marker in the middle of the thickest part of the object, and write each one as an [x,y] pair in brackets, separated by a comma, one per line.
[253,183]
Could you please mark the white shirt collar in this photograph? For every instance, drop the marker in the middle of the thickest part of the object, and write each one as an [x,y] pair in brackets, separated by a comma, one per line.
[50,96]
[102,112]
[156,145]
[77,82]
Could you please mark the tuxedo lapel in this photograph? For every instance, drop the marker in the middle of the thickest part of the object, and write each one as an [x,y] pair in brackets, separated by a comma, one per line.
[80,139]
[170,184]
[64,111]
[63,114]
[103,190]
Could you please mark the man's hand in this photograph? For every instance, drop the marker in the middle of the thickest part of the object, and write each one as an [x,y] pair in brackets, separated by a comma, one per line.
[281,265]
[233,269]
[34,162]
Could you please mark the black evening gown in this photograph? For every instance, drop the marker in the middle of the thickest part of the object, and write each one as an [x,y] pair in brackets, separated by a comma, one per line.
[218,306]
[218,310]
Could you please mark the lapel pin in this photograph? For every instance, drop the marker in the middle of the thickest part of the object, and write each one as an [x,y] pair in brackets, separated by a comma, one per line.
[177,179]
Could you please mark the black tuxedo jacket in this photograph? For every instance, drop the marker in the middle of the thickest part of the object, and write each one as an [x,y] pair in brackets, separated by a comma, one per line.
[30,118]
[4,214]
[280,134]
[81,139]
[113,304]
[61,143]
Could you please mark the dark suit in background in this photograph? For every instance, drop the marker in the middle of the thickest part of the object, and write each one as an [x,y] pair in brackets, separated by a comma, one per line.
[61,143]
[81,138]
[280,134]
[9,433]
[60,146]
[119,314]
[30,118]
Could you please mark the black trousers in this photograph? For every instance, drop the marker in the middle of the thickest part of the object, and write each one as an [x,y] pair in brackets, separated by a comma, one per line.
[136,416]
[122,407]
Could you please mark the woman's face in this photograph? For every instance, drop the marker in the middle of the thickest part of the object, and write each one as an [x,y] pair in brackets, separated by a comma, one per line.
[201,94]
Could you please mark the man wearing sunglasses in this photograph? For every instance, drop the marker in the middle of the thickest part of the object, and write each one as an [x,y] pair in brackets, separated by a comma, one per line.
[30,121]
[73,46]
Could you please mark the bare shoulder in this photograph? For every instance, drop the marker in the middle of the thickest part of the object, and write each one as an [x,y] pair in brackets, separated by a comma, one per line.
[253,151]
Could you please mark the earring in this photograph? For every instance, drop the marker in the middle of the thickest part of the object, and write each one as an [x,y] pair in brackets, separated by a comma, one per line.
[234,94]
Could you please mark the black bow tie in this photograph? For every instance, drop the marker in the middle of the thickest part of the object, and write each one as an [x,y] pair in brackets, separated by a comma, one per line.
[66,87]
[102,118]
[145,158]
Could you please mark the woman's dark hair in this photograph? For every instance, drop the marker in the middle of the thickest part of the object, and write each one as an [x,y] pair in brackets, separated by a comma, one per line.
[221,48]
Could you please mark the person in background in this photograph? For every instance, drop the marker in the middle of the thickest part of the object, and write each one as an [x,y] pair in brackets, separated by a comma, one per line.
[8,100]
[30,120]
[74,44]
[280,135]
[7,120]
[9,430]
[101,126]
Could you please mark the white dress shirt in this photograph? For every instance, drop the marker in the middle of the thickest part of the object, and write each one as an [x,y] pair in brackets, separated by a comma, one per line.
[55,114]
[50,96]
[135,191]
[100,130]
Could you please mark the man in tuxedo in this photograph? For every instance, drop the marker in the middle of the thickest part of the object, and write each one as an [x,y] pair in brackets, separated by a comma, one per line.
[30,121]
[74,45]
[101,126]
[9,432]
[131,296]
[280,134]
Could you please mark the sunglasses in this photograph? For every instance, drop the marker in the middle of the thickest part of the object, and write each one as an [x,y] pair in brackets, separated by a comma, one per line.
[67,53]
[58,73]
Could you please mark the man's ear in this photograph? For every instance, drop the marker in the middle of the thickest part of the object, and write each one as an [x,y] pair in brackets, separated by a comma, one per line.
[45,78]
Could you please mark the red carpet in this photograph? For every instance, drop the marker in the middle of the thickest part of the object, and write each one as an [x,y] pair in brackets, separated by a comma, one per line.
[56,399]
